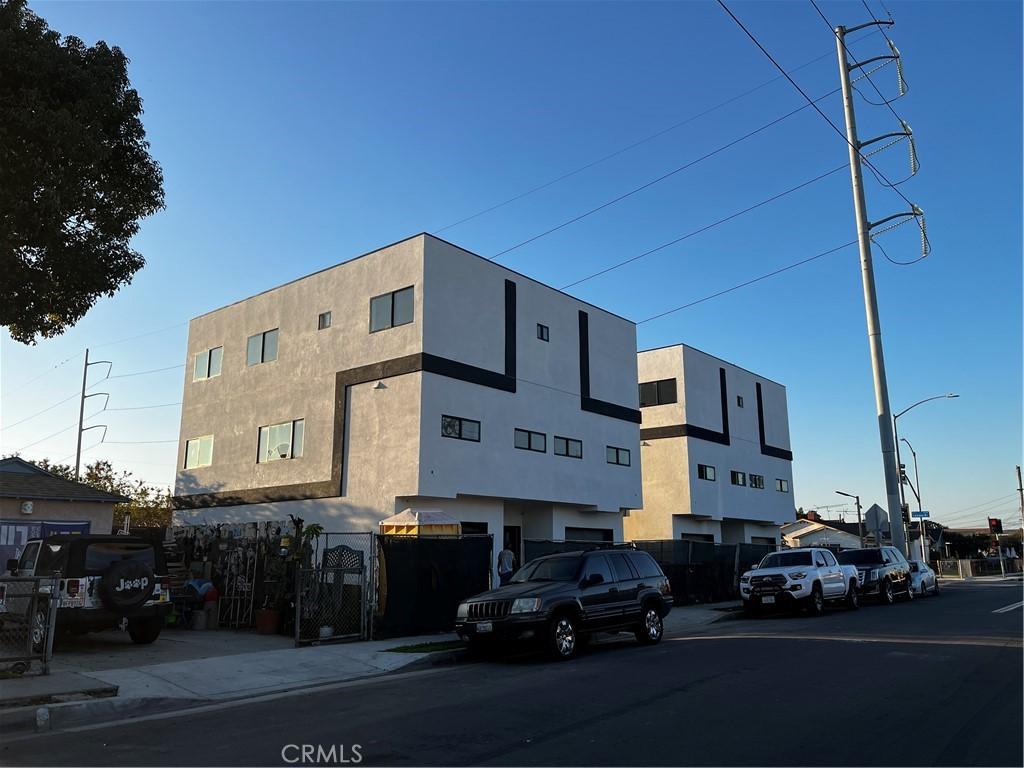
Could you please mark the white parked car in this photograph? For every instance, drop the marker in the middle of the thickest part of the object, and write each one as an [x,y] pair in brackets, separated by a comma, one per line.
[801,577]
[923,578]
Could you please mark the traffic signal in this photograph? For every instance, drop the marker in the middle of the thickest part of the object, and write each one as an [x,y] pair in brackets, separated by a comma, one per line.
[905,509]
[995,525]
[903,474]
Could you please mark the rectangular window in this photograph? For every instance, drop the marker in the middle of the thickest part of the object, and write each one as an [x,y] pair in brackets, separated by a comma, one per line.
[323,322]
[460,429]
[618,456]
[738,478]
[782,485]
[261,348]
[543,332]
[531,441]
[391,309]
[739,400]
[208,364]
[706,472]
[757,481]
[199,452]
[659,392]
[566,446]
[281,441]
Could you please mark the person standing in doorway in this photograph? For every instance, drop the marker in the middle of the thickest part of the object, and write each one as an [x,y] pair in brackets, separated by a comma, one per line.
[506,564]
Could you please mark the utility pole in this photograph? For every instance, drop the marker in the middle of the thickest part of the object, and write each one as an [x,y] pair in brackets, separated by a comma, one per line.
[81,410]
[871,304]
[1020,491]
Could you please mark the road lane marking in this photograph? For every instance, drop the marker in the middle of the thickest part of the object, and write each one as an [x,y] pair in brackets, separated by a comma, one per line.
[1008,608]
[992,642]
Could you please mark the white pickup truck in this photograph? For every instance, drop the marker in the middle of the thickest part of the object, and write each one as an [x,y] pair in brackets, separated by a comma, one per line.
[799,577]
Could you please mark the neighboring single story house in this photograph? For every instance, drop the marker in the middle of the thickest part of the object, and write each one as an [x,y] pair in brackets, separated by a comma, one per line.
[34,503]
[814,533]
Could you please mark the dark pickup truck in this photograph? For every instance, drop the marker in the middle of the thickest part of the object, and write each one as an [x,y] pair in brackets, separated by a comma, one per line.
[884,572]
[562,599]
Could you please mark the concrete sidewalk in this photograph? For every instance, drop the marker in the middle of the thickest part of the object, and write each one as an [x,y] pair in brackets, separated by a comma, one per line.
[71,697]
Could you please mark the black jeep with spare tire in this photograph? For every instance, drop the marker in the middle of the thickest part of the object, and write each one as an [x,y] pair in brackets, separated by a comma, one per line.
[103,580]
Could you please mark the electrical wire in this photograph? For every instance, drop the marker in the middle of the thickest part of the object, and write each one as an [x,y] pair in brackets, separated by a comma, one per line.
[744,284]
[40,413]
[139,335]
[878,174]
[135,373]
[50,370]
[138,442]
[661,178]
[626,148]
[141,407]
[704,228]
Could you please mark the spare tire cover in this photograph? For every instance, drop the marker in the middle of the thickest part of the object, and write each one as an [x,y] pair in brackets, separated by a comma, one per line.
[126,585]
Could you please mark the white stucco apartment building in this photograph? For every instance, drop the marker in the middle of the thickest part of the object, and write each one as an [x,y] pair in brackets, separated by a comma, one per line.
[416,376]
[716,458]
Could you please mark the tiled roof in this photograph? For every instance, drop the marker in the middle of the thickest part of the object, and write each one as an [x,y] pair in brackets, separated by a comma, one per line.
[20,479]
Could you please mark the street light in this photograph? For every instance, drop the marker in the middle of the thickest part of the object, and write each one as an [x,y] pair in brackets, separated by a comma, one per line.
[896,436]
[860,525]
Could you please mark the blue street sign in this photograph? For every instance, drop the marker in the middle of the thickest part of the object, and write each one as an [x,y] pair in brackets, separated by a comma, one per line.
[922,514]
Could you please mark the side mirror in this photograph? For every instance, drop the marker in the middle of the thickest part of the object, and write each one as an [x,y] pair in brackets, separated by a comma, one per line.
[593,579]
[12,565]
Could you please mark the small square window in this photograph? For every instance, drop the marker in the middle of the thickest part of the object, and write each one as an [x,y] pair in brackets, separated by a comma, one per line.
[199,452]
[460,429]
[207,363]
[618,456]
[738,478]
[543,332]
[661,392]
[782,485]
[323,322]
[280,441]
[757,481]
[567,446]
[528,440]
[706,472]
[261,348]
[391,309]
[739,401]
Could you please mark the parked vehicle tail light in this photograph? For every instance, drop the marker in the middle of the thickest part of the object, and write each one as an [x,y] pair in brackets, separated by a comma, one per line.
[666,588]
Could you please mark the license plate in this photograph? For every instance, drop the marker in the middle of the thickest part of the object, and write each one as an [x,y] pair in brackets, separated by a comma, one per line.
[484,626]
[768,600]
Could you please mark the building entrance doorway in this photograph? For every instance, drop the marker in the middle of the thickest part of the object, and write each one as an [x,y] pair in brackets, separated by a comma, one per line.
[513,539]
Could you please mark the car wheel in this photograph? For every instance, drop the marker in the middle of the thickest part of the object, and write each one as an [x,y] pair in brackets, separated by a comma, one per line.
[816,602]
[924,590]
[145,631]
[651,627]
[886,593]
[562,637]
[910,590]
[852,598]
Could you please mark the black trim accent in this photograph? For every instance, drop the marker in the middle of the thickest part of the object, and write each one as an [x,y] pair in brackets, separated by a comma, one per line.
[585,357]
[691,430]
[591,404]
[453,369]
[510,331]
[768,450]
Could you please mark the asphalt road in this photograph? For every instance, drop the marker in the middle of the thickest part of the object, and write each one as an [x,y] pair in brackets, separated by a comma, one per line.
[934,682]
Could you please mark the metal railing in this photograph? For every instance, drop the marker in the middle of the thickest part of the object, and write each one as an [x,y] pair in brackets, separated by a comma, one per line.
[27,620]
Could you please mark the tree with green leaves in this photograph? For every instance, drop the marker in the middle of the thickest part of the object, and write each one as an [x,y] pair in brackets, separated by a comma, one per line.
[76,176]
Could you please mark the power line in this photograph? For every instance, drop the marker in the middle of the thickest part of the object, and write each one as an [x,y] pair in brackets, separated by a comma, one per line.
[142,407]
[50,370]
[137,442]
[626,148]
[136,373]
[40,413]
[744,284]
[661,178]
[984,503]
[44,439]
[140,335]
[704,228]
[812,103]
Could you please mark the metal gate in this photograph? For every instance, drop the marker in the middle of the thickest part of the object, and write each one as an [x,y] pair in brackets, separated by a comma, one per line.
[330,597]
[27,620]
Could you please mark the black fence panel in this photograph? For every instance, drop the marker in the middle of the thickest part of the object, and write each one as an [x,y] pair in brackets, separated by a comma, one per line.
[534,548]
[752,554]
[703,572]
[422,580]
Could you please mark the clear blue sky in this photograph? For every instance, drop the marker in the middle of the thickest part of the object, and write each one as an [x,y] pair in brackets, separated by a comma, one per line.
[294,136]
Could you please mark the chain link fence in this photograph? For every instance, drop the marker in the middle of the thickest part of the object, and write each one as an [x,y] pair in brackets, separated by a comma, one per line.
[331,594]
[27,620]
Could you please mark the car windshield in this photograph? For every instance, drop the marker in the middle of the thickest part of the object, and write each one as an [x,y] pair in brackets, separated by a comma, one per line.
[549,569]
[861,557]
[786,559]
